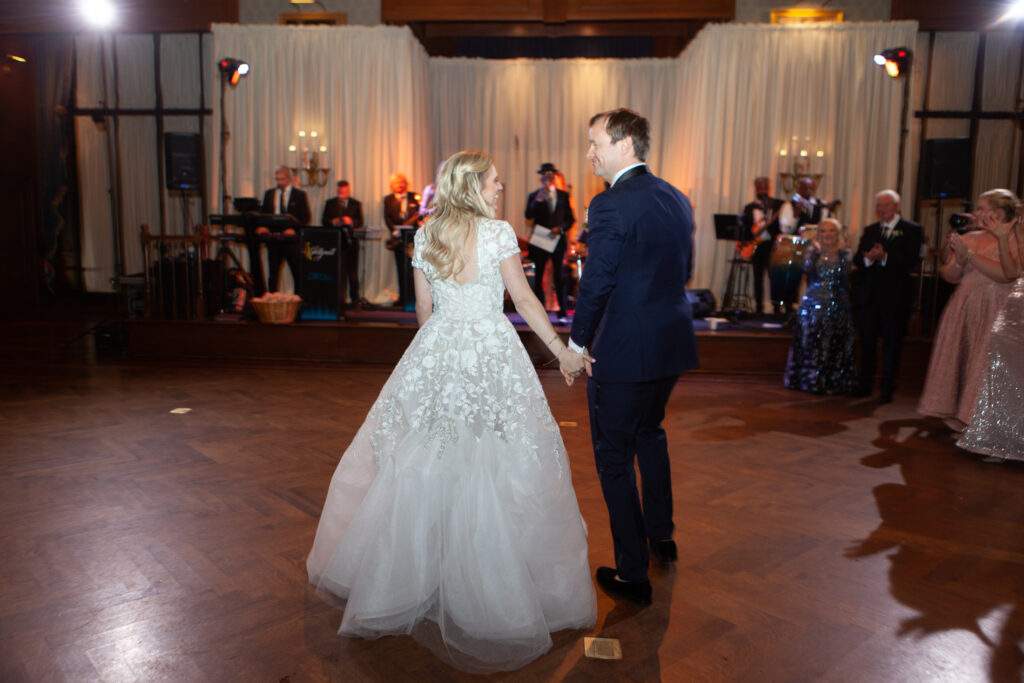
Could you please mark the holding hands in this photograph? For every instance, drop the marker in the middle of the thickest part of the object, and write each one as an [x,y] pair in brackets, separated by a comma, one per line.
[573,364]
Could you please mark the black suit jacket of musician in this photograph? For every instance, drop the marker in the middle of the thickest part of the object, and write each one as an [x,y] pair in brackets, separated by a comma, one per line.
[541,214]
[298,205]
[333,209]
[768,207]
[393,216]
[891,285]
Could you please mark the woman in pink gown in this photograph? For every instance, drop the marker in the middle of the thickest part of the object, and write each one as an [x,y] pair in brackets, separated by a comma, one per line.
[960,350]
[996,429]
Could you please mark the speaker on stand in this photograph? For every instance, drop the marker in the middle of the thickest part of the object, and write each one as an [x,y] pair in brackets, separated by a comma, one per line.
[183,168]
[947,175]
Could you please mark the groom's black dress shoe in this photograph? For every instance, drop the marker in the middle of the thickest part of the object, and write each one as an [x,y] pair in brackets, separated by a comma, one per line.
[637,592]
[665,551]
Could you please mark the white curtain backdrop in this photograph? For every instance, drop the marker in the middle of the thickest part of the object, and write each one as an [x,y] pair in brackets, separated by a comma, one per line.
[720,113]
[363,89]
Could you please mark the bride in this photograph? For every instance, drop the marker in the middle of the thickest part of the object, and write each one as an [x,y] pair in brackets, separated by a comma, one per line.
[451,515]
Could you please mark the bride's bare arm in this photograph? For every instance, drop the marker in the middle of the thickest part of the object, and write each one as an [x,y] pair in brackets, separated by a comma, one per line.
[424,301]
[530,308]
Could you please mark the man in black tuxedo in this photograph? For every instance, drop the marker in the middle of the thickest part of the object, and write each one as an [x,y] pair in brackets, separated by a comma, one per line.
[402,209]
[346,214]
[284,198]
[887,255]
[633,314]
[760,216]
[549,207]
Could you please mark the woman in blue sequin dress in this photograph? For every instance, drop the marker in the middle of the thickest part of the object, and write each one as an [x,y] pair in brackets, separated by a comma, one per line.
[821,359]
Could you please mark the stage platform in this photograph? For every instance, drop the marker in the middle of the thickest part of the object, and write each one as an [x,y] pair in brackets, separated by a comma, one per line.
[748,346]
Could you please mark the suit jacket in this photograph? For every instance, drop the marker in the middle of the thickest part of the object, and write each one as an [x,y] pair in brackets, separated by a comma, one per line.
[891,285]
[632,310]
[393,215]
[298,205]
[333,209]
[767,207]
[541,214]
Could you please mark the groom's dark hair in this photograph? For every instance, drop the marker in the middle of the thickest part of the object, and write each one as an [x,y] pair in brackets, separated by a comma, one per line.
[626,123]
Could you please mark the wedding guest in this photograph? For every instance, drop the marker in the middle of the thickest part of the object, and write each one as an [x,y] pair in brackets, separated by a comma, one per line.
[960,349]
[996,428]
[821,359]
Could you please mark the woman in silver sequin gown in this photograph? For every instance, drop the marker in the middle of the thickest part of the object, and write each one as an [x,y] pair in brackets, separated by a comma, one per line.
[821,358]
[996,428]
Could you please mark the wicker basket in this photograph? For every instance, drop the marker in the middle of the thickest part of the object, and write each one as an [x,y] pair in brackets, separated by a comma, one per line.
[276,312]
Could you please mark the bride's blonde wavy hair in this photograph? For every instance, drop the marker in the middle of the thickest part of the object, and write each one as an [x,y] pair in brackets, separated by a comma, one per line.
[458,202]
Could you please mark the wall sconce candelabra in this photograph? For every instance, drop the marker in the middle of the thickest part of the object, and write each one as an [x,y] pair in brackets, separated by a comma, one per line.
[306,158]
[801,164]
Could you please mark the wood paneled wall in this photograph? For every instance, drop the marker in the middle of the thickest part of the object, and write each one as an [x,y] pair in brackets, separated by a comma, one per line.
[554,11]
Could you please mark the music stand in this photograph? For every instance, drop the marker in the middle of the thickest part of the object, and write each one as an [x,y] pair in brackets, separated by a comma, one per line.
[727,227]
[736,300]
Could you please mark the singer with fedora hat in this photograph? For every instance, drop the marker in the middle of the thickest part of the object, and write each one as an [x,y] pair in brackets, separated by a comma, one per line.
[549,207]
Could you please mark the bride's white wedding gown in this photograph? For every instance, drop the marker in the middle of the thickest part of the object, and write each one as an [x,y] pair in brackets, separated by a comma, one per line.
[452,516]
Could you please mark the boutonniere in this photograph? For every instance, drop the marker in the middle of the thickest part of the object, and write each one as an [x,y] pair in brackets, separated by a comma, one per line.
[897,233]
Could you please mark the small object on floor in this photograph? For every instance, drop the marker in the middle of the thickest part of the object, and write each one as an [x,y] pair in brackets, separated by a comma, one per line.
[664,551]
[601,648]
[637,592]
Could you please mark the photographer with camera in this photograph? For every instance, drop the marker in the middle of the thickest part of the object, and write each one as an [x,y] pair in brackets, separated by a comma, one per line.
[960,348]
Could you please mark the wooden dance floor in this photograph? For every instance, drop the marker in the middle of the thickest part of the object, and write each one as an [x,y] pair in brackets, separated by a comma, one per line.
[820,538]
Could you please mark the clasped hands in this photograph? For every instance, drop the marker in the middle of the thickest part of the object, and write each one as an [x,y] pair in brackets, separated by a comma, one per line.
[573,364]
[876,252]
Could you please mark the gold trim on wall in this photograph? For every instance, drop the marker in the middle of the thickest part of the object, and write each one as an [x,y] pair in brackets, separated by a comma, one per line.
[801,15]
[313,19]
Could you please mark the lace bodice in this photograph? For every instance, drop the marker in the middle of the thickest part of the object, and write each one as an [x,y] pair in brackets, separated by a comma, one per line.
[466,376]
[495,241]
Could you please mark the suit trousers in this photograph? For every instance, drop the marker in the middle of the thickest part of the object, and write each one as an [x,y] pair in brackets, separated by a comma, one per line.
[287,251]
[889,323]
[540,260]
[625,425]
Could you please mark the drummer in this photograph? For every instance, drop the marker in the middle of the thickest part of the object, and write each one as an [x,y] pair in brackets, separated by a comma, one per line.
[802,213]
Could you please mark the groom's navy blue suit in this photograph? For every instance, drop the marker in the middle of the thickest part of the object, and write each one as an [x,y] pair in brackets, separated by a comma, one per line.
[633,315]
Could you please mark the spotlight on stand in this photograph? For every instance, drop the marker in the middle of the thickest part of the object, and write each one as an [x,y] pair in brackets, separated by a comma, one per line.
[233,69]
[895,60]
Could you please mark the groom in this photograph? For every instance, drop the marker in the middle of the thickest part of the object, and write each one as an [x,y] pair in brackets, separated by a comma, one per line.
[633,317]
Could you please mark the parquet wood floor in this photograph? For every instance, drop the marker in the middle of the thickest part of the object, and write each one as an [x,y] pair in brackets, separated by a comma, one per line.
[820,538]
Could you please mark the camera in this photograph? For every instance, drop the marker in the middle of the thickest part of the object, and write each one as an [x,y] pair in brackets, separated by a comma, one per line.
[960,221]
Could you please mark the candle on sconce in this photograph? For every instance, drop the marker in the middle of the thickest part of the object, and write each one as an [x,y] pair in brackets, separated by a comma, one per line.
[820,155]
[293,156]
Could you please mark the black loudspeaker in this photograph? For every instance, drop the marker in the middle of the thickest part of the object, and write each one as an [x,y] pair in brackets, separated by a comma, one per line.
[702,301]
[182,161]
[947,167]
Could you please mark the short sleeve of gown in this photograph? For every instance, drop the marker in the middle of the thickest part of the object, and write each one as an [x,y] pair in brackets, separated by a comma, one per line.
[506,243]
[417,251]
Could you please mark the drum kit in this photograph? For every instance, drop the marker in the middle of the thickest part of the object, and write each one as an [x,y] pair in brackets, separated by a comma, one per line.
[786,264]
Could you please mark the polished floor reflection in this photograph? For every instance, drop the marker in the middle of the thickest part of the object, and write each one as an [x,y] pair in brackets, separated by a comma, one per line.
[820,538]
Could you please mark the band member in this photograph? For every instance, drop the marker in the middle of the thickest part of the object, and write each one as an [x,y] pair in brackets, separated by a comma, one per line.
[761,216]
[346,214]
[401,209]
[284,199]
[802,211]
[549,208]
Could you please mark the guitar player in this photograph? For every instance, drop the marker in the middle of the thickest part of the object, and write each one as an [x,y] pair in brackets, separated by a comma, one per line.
[758,215]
